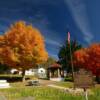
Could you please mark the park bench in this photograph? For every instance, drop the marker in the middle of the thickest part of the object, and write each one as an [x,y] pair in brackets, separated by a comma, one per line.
[33,82]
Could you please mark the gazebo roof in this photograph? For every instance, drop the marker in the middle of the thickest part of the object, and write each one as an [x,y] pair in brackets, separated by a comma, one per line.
[55,65]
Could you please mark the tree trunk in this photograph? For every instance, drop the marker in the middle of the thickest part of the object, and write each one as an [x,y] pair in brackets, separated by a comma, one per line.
[23,76]
[48,74]
[98,79]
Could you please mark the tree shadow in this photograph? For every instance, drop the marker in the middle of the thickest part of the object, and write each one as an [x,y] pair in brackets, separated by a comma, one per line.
[12,79]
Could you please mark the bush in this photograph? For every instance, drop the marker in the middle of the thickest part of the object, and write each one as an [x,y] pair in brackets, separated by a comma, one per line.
[68,79]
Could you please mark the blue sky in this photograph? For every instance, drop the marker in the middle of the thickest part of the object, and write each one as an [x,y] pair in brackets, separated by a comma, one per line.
[52,17]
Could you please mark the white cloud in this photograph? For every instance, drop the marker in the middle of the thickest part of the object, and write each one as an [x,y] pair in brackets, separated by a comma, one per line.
[51,37]
[52,42]
[53,55]
[78,10]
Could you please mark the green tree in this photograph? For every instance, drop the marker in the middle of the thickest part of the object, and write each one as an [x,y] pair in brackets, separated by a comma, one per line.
[46,64]
[64,54]
[3,68]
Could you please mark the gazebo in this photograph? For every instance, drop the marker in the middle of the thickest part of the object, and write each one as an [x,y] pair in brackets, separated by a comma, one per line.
[54,72]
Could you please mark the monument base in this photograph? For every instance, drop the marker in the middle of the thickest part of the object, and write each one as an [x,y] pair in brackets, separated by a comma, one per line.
[57,79]
[4,84]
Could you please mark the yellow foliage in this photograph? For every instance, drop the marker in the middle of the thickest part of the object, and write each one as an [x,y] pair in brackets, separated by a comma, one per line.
[22,45]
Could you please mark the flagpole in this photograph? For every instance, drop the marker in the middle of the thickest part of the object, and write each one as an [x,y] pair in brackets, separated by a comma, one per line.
[71,57]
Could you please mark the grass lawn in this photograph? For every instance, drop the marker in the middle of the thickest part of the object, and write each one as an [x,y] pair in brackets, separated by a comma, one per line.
[19,91]
[64,84]
[43,93]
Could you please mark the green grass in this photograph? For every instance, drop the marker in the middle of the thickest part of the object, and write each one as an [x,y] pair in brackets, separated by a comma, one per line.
[64,84]
[39,93]
[44,93]
[19,91]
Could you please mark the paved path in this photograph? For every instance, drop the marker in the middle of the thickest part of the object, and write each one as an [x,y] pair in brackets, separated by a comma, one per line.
[46,82]
[2,97]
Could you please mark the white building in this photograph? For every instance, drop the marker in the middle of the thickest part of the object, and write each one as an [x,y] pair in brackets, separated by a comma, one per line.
[41,72]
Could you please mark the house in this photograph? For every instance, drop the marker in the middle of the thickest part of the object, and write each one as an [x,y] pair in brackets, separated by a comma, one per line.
[41,73]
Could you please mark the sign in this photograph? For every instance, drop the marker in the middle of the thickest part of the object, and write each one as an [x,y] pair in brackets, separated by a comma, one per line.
[83,79]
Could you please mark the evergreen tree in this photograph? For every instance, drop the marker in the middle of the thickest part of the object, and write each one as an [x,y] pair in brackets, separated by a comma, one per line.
[64,54]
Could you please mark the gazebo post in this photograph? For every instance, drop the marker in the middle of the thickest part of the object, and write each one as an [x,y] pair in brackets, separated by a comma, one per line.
[50,74]
[59,73]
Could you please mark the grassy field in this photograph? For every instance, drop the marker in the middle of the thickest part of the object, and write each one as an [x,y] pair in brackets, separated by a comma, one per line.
[64,84]
[43,93]
[19,91]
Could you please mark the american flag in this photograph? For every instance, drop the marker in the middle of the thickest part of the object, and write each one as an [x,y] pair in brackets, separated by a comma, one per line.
[68,37]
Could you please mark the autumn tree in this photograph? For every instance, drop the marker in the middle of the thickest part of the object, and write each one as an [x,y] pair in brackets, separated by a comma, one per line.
[89,58]
[22,47]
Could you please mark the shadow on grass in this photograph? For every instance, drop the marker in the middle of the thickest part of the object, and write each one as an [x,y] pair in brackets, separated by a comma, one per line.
[68,79]
[11,78]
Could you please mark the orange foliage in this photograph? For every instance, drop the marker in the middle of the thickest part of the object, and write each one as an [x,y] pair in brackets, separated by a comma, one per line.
[22,46]
[89,58]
